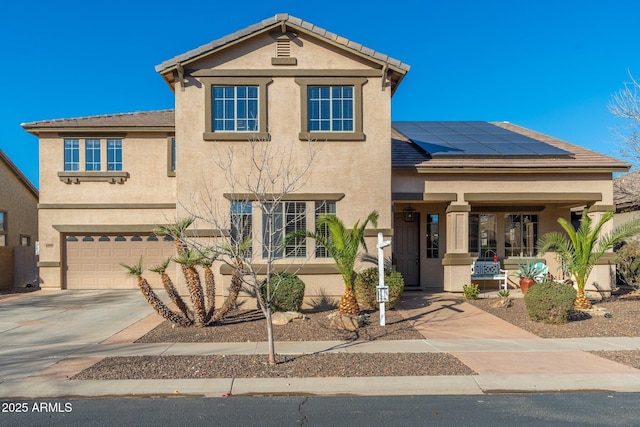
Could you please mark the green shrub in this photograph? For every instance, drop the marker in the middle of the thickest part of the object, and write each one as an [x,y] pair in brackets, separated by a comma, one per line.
[471,291]
[366,283]
[549,302]
[287,290]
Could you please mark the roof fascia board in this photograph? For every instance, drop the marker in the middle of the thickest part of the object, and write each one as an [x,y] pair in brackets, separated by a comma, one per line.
[510,169]
[167,72]
[189,60]
[92,130]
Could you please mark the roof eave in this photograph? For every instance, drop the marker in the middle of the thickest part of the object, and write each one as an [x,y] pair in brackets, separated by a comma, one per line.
[167,68]
[37,130]
[422,169]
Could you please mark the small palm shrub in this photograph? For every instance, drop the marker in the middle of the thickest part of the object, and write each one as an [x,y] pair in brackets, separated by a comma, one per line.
[628,263]
[287,291]
[366,283]
[550,302]
[471,291]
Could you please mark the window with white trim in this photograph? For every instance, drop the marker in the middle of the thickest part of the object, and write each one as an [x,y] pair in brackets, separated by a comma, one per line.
[114,155]
[92,154]
[331,108]
[241,224]
[285,218]
[235,108]
[71,155]
[323,207]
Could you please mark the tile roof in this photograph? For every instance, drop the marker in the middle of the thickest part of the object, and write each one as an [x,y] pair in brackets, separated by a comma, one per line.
[140,119]
[293,22]
[407,154]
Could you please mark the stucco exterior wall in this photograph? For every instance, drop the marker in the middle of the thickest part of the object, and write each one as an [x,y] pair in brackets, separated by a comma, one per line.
[360,170]
[20,205]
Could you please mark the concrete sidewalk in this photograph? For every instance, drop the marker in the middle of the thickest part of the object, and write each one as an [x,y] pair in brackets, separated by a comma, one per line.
[37,357]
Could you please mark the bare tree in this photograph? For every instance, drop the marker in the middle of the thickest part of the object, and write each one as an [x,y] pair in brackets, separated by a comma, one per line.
[625,104]
[259,175]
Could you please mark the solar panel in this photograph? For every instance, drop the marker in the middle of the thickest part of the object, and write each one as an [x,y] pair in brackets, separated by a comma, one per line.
[474,138]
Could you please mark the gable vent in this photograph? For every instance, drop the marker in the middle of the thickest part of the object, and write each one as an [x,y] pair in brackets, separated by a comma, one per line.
[283,47]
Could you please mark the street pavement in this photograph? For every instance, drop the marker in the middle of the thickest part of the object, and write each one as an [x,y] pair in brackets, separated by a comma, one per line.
[48,336]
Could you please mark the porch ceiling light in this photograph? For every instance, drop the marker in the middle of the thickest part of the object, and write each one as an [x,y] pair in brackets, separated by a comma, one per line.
[409,214]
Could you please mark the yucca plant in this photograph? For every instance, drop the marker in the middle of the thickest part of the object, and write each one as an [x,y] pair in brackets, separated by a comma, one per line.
[189,259]
[579,250]
[209,284]
[171,290]
[343,245]
[175,231]
[136,271]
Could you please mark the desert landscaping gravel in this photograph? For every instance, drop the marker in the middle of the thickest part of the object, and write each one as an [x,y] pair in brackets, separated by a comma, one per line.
[623,321]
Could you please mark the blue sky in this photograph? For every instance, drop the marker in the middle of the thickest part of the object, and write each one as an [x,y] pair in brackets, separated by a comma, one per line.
[551,66]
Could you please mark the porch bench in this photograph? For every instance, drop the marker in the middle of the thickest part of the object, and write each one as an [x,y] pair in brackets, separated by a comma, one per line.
[489,270]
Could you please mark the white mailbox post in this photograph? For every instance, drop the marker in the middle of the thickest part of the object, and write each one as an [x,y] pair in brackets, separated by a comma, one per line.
[382,290]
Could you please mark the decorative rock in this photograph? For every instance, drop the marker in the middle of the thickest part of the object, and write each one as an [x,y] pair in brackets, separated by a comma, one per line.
[346,322]
[284,317]
[502,303]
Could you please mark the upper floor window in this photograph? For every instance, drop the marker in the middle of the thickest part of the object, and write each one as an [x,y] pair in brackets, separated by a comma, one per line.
[114,155]
[71,155]
[235,108]
[92,154]
[171,156]
[330,108]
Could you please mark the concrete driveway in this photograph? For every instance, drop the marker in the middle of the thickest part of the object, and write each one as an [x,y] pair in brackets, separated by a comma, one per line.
[38,329]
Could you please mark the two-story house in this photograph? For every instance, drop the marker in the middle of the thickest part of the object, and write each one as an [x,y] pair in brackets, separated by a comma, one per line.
[18,227]
[447,192]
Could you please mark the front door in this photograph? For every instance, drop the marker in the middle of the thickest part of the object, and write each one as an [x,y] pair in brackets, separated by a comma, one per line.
[406,249]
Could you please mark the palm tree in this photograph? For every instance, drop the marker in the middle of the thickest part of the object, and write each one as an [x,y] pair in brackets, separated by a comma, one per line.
[171,290]
[343,244]
[579,250]
[136,270]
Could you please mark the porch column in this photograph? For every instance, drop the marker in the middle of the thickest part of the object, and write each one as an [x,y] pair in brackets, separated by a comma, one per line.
[457,261]
[603,276]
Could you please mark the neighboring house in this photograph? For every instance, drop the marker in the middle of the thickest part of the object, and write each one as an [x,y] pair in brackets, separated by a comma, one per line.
[18,227]
[447,192]
[626,197]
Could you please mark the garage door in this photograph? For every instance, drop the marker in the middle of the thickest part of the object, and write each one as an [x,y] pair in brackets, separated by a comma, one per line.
[93,261]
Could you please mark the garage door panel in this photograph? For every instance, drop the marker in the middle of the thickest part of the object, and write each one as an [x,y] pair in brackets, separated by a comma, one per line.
[95,264]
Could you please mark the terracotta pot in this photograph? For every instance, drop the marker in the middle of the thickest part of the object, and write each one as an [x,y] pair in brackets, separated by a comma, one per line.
[526,283]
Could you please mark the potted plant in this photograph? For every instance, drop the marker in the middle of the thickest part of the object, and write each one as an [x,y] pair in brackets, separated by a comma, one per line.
[527,272]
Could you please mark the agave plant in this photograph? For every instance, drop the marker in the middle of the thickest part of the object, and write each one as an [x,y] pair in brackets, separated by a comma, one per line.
[579,250]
